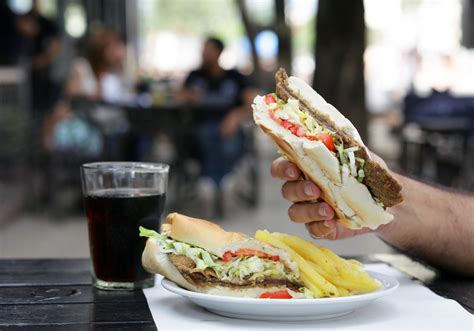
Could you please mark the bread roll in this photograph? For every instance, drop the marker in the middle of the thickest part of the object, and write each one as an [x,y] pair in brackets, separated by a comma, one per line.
[201,233]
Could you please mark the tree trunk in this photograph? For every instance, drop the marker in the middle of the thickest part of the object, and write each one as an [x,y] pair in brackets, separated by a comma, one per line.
[251,31]
[340,45]
[283,32]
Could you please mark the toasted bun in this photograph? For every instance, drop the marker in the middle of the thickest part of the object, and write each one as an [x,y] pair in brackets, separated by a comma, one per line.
[354,205]
[155,261]
[201,233]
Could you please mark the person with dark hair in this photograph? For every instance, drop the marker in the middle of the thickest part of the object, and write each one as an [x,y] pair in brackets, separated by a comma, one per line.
[94,76]
[41,44]
[225,97]
[99,67]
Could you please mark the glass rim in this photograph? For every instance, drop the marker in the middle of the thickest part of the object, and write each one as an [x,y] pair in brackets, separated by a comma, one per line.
[151,167]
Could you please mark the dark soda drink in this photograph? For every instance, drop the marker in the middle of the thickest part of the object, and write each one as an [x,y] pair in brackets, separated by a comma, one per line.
[114,216]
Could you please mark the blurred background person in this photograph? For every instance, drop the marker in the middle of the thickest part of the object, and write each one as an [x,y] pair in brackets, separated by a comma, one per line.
[95,76]
[226,97]
[97,73]
[41,46]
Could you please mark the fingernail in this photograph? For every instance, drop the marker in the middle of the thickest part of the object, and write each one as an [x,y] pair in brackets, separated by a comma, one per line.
[323,211]
[309,189]
[290,172]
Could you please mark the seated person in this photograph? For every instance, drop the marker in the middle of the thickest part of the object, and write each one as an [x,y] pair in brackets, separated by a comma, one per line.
[95,76]
[225,97]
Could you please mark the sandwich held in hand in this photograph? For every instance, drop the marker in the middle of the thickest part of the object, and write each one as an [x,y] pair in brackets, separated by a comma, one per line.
[202,257]
[329,151]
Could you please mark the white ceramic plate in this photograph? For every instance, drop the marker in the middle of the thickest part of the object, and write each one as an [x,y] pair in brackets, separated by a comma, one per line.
[284,309]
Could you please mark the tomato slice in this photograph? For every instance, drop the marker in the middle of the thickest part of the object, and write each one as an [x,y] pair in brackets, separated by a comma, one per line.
[247,252]
[327,140]
[293,129]
[300,132]
[270,98]
[286,124]
[276,295]
[250,252]
[241,252]
[227,257]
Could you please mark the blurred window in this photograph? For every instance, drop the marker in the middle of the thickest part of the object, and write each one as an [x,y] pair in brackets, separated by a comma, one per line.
[47,8]
[262,12]
[75,19]
[414,46]
[171,34]
[20,7]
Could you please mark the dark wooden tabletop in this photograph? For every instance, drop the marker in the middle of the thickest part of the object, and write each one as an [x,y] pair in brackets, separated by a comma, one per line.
[57,294]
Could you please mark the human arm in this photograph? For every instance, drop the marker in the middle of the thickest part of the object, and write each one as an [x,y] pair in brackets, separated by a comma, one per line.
[431,224]
[232,121]
[189,92]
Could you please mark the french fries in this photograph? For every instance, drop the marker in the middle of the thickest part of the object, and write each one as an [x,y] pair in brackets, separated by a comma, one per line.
[322,271]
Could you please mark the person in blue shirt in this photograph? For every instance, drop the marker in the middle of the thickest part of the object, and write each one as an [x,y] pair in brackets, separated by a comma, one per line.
[223,98]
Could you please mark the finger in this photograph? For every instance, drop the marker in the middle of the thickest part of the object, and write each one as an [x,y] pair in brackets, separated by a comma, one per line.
[309,212]
[333,230]
[301,190]
[319,230]
[284,169]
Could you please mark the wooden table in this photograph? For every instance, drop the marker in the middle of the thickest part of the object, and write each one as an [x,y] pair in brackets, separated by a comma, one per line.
[45,294]
[57,294]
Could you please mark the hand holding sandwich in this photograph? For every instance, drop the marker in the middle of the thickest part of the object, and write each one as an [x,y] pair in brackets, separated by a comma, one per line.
[360,194]
[318,217]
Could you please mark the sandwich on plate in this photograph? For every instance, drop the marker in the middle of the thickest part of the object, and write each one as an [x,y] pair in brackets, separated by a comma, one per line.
[200,256]
[327,148]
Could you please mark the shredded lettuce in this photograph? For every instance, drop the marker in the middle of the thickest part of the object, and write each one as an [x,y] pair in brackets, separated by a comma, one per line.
[303,293]
[340,153]
[144,232]
[282,154]
[238,269]
[354,164]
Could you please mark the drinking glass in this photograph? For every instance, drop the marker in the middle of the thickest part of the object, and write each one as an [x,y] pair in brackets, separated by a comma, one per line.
[119,197]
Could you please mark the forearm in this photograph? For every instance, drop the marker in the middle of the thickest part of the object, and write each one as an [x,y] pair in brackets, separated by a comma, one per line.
[434,225]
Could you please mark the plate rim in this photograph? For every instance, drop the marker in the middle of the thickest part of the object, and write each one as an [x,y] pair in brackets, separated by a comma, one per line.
[175,288]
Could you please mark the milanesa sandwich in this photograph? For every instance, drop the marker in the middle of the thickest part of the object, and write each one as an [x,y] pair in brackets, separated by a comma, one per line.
[327,148]
[202,257]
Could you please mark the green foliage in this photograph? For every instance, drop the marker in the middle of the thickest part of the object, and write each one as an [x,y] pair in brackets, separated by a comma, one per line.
[304,37]
[219,18]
